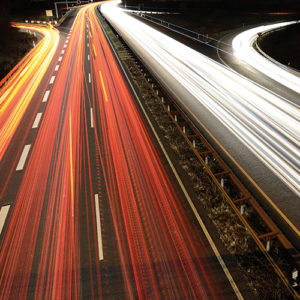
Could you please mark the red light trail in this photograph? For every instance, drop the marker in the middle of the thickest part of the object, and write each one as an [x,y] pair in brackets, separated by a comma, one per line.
[161,253]
[153,231]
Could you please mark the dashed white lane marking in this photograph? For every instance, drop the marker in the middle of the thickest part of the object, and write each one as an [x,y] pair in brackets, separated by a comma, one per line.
[88,44]
[60,58]
[23,157]
[37,120]
[88,57]
[99,235]
[52,79]
[56,68]
[89,77]
[46,96]
[65,46]
[92,119]
[3,214]
[62,52]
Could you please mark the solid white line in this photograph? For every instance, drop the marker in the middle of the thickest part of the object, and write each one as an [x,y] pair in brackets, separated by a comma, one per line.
[202,225]
[89,77]
[60,58]
[88,57]
[37,120]
[99,235]
[23,157]
[56,68]
[3,214]
[52,79]
[46,96]
[92,119]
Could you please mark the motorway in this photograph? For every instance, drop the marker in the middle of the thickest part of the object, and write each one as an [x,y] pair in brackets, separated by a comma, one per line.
[256,131]
[271,75]
[243,49]
[89,207]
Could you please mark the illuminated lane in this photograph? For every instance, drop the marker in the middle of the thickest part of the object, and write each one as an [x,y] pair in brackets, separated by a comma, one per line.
[20,100]
[257,131]
[17,92]
[243,48]
[93,150]
[39,251]
[161,254]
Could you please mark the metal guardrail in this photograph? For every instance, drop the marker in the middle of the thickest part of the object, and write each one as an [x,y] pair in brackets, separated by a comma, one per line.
[193,35]
[227,183]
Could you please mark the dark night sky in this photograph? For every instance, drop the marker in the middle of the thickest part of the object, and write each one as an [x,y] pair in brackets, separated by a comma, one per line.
[11,8]
[22,4]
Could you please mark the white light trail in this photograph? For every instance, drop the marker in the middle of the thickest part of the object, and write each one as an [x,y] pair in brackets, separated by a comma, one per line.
[243,48]
[266,123]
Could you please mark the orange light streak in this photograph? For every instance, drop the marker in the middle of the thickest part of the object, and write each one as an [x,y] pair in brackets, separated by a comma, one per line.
[17,92]
[161,254]
[94,50]
[103,86]
[46,206]
[71,165]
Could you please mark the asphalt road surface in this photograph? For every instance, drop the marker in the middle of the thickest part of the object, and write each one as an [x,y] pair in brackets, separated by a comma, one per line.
[236,115]
[88,208]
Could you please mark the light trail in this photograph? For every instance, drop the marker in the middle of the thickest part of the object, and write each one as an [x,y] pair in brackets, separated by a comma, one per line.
[243,48]
[161,254]
[53,243]
[266,123]
[44,225]
[22,82]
